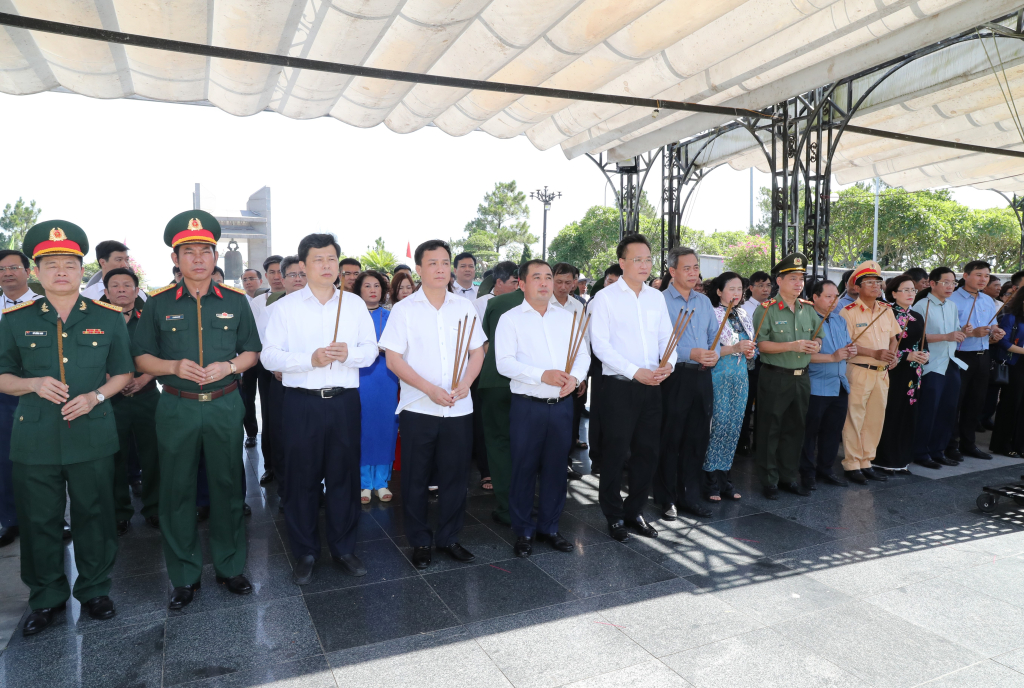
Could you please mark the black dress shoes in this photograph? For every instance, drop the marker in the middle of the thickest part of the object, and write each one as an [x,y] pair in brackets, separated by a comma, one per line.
[945,461]
[100,608]
[771,492]
[123,527]
[872,474]
[250,442]
[697,510]
[617,529]
[573,474]
[976,453]
[267,478]
[795,488]
[8,535]
[302,574]
[421,557]
[182,596]
[928,463]
[524,546]
[954,454]
[556,540]
[458,552]
[238,585]
[350,564]
[202,513]
[39,619]
[641,527]
[153,522]
[856,476]
[832,479]
[670,513]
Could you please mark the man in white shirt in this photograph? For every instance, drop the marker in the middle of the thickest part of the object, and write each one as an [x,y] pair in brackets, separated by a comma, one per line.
[434,415]
[318,340]
[465,271]
[110,255]
[566,279]
[14,273]
[629,332]
[759,290]
[532,345]
[258,303]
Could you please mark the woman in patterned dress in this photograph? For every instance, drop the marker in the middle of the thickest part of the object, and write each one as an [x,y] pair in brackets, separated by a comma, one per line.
[729,379]
[896,447]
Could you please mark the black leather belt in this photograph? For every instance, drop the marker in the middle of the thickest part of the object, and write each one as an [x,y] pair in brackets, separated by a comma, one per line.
[971,353]
[787,371]
[877,369]
[692,366]
[325,393]
[539,400]
[201,396]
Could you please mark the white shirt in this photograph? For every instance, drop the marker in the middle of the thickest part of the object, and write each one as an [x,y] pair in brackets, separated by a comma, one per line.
[627,331]
[480,304]
[258,304]
[527,343]
[426,337]
[299,325]
[749,305]
[96,291]
[465,292]
[6,303]
[573,305]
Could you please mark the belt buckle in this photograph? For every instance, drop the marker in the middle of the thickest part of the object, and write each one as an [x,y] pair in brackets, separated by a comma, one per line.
[205,396]
[798,372]
[323,393]
[551,401]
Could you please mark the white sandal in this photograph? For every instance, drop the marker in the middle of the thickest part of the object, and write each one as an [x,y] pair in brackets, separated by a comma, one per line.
[384,494]
[364,496]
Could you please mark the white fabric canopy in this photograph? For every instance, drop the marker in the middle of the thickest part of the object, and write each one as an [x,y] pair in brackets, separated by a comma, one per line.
[740,53]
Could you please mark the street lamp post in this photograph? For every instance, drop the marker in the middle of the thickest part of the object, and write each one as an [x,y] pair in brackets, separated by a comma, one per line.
[545,197]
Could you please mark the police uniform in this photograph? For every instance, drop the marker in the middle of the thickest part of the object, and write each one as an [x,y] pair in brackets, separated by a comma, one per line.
[191,418]
[783,385]
[136,420]
[51,455]
[873,328]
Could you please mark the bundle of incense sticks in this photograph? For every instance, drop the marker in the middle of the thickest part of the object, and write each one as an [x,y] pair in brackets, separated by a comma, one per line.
[718,335]
[575,340]
[465,335]
[677,333]
[337,319]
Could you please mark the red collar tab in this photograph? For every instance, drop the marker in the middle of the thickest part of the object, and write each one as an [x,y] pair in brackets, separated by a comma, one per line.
[216,291]
[782,305]
[177,294]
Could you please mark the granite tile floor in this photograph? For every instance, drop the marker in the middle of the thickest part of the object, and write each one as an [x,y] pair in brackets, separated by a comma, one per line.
[904,583]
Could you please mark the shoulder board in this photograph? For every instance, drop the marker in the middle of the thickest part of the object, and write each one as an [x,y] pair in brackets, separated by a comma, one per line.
[887,305]
[108,306]
[234,289]
[161,290]
[18,307]
[850,306]
[806,302]
[765,304]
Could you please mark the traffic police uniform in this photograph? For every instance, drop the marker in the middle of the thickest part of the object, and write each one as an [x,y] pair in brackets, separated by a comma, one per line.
[51,455]
[783,385]
[190,418]
[136,418]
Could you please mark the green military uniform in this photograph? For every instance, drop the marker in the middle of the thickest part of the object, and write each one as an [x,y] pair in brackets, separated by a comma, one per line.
[783,385]
[136,419]
[169,329]
[51,455]
[496,405]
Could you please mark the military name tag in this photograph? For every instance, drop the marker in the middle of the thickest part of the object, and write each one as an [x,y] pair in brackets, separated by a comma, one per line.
[225,315]
[29,333]
[862,324]
[174,317]
[93,332]
[781,322]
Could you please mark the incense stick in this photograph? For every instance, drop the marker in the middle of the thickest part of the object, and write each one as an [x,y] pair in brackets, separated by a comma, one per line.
[718,334]
[199,319]
[674,341]
[924,334]
[969,314]
[572,340]
[464,352]
[763,315]
[337,320]
[818,330]
[458,351]
[60,355]
[575,347]
[869,326]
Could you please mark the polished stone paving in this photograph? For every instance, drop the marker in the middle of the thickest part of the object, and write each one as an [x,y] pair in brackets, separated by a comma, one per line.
[904,583]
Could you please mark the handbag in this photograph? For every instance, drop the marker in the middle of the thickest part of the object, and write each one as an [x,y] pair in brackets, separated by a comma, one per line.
[999,374]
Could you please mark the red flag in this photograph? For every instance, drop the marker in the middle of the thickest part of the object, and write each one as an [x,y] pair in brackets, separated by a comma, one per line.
[408,250]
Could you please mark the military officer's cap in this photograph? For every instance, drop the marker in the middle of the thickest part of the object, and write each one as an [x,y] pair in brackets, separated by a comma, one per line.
[55,238]
[192,227]
[794,262]
[485,286]
[868,268]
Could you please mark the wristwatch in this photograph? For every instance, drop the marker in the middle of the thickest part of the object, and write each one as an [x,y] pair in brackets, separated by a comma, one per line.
[234,369]
[99,396]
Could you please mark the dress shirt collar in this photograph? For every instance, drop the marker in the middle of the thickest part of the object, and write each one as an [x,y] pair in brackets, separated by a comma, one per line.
[678,294]
[624,287]
[29,295]
[421,295]
[306,294]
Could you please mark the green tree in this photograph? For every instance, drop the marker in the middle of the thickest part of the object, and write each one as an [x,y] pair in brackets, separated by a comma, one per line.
[88,270]
[378,258]
[500,226]
[748,255]
[589,243]
[15,221]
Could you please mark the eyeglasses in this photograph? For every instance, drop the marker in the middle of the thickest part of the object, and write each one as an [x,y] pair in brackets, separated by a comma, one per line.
[12,268]
[293,275]
[906,291]
[871,283]
[947,283]
[350,274]
[645,262]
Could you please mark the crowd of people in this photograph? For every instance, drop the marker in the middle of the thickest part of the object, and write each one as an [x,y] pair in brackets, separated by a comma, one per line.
[424,373]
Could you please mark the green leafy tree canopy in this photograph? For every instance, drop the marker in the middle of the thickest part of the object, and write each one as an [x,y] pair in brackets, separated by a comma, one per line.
[378,258]
[500,227]
[15,221]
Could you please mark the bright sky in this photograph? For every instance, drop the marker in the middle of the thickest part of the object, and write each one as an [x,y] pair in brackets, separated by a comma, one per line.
[122,168]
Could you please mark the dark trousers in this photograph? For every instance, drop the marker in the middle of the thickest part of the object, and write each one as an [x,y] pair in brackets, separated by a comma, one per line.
[271,393]
[631,423]
[136,428]
[687,404]
[495,405]
[444,443]
[479,436]
[596,401]
[250,384]
[541,436]
[936,414]
[782,400]
[8,513]
[822,435]
[750,415]
[973,385]
[579,402]
[321,443]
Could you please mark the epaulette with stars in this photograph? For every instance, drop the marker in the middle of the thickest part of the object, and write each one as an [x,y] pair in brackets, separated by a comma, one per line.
[234,289]
[108,306]
[850,306]
[161,290]
[766,304]
[18,307]
[806,302]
